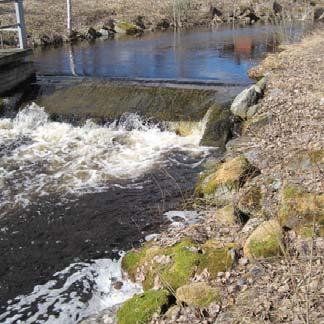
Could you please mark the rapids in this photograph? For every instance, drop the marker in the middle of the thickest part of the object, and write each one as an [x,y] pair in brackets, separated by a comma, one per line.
[39,157]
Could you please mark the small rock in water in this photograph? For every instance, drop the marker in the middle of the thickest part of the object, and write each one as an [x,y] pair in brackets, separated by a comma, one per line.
[118,285]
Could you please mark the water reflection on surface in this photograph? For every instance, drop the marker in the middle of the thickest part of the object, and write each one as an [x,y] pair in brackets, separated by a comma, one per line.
[221,54]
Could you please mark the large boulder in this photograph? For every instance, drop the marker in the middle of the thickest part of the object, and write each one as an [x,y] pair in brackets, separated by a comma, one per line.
[127,28]
[299,208]
[198,294]
[141,308]
[226,179]
[245,100]
[218,128]
[266,241]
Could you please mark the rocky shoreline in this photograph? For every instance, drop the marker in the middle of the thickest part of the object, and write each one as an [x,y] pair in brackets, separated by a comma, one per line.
[257,256]
[109,19]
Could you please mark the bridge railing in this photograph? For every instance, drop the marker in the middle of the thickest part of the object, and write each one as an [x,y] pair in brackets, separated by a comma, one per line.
[20,26]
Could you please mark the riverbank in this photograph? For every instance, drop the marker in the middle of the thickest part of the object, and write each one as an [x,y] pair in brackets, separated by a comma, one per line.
[257,255]
[93,19]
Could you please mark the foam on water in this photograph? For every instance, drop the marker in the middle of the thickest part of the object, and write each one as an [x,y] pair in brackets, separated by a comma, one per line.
[183,218]
[39,157]
[79,291]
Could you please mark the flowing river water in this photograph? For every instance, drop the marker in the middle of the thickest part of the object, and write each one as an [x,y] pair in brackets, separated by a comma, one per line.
[89,166]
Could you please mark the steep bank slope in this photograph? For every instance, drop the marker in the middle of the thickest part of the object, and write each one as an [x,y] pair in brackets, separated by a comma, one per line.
[256,257]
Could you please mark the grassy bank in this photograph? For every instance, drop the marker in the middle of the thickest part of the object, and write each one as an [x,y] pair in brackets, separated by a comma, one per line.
[46,20]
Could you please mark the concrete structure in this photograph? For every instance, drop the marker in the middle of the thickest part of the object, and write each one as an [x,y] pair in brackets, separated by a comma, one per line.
[15,68]
[19,27]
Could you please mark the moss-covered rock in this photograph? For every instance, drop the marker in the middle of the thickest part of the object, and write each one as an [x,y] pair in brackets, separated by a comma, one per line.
[227,178]
[251,201]
[174,266]
[127,28]
[265,241]
[198,294]
[255,123]
[216,257]
[226,215]
[304,160]
[218,127]
[141,308]
[300,208]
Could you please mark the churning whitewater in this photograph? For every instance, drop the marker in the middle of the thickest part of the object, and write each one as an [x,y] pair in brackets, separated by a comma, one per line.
[39,157]
[80,290]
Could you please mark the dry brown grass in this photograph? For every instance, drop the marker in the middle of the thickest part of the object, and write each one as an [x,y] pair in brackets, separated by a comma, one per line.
[49,17]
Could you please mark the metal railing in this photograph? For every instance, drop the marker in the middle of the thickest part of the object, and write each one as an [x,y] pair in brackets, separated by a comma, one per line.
[20,26]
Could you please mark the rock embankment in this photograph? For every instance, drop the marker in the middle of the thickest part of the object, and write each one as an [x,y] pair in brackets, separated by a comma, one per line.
[257,255]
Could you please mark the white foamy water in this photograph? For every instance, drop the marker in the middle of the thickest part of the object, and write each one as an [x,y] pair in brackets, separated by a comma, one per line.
[183,218]
[79,291]
[39,157]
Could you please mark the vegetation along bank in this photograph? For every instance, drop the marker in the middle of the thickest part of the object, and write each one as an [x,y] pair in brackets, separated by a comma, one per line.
[257,254]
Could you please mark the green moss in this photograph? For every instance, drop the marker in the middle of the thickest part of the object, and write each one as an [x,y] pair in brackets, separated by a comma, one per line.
[199,294]
[266,248]
[265,241]
[185,261]
[131,261]
[316,156]
[215,258]
[127,28]
[229,176]
[140,308]
[250,201]
[299,207]
[226,215]
[306,159]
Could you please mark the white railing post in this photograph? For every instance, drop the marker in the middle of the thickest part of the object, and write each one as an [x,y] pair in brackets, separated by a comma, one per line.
[69,16]
[19,6]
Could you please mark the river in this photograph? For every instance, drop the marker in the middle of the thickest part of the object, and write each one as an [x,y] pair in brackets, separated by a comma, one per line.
[87,171]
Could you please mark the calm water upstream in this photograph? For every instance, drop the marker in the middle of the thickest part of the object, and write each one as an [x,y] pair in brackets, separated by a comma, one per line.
[75,194]
[220,54]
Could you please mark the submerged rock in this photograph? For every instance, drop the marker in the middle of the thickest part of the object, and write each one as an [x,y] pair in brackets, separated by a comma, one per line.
[199,294]
[265,241]
[141,308]
[127,28]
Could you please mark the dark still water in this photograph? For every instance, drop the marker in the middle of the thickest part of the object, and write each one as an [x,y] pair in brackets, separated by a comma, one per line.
[220,54]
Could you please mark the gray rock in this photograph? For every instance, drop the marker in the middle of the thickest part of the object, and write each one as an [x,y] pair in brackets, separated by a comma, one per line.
[251,225]
[246,99]
[104,32]
[252,110]
[218,128]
